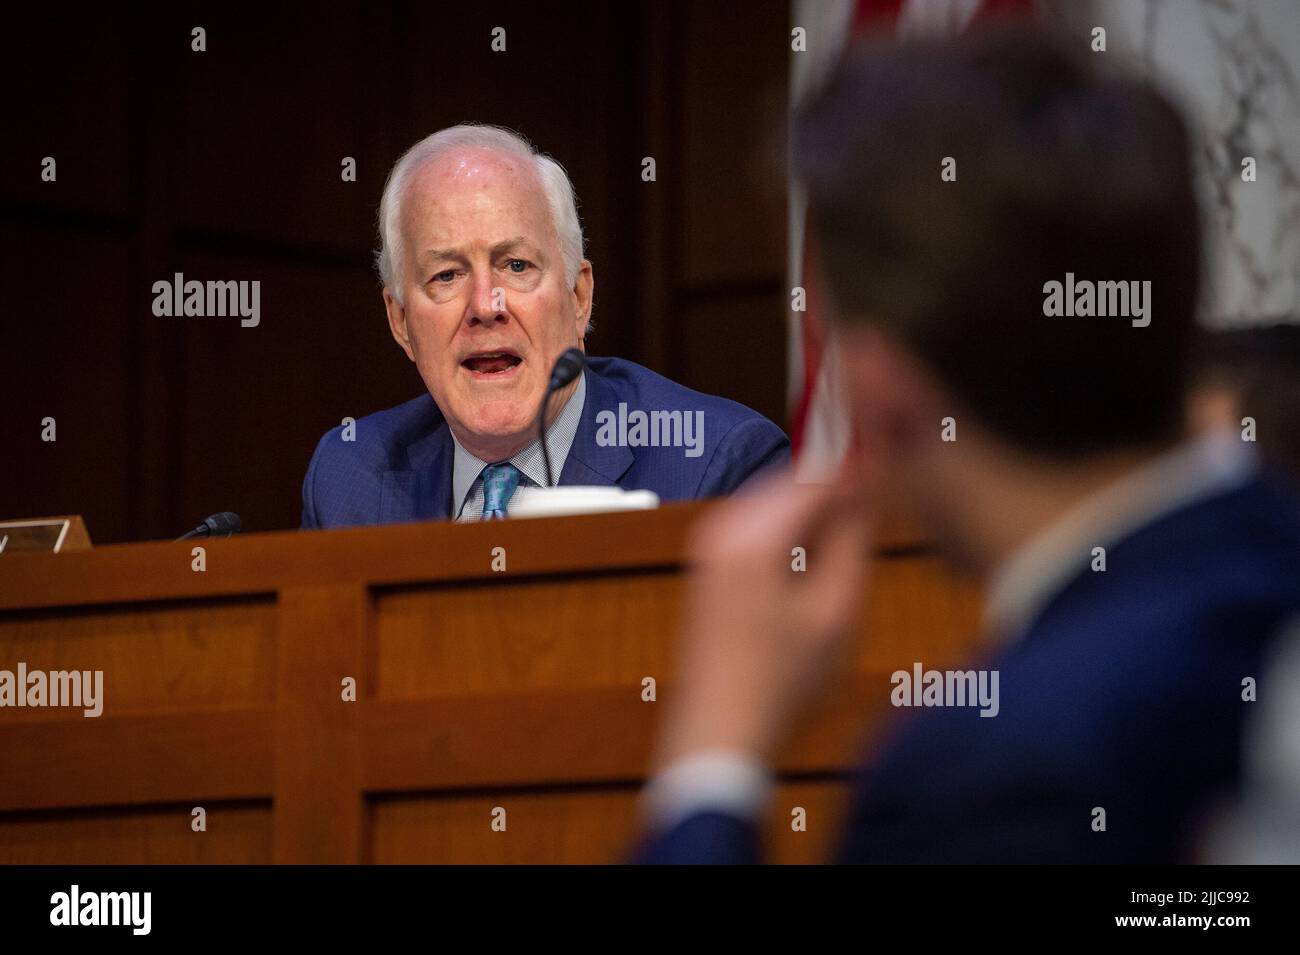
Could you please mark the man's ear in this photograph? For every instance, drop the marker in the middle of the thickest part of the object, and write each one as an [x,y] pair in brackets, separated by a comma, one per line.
[397,323]
[888,391]
[866,389]
[918,402]
[584,289]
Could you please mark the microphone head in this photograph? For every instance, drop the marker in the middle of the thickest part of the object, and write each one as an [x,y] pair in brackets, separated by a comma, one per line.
[567,367]
[223,525]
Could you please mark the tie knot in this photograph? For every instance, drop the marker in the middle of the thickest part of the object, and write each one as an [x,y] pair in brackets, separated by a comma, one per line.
[499,483]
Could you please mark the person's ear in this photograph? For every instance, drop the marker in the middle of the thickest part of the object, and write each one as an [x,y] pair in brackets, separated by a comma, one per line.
[584,288]
[869,386]
[397,323]
[919,402]
[891,398]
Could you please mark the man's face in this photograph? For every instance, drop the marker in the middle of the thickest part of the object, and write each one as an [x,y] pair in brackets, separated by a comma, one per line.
[488,310]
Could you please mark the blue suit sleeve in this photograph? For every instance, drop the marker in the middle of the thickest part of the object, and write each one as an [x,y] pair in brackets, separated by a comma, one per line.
[309,519]
[752,447]
[706,838]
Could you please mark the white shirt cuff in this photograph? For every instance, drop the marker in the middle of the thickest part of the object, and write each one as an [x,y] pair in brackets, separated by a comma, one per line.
[729,782]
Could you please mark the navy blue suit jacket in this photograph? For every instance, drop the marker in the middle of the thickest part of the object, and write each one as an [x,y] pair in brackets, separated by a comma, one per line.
[399,467]
[1125,694]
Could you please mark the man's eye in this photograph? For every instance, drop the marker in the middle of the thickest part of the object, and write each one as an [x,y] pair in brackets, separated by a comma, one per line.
[445,276]
[518,266]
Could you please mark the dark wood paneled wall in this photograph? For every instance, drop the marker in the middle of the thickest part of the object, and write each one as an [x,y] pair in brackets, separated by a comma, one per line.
[225,165]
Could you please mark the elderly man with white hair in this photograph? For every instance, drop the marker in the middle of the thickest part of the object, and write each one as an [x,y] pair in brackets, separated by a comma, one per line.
[486,286]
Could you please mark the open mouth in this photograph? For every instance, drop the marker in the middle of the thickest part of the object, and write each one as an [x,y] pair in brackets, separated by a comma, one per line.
[491,364]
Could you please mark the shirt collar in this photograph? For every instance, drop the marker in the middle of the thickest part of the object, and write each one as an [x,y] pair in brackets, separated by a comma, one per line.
[466,468]
[1025,583]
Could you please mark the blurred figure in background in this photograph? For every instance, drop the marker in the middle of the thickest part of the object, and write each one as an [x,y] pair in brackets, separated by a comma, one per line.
[1262,826]
[1253,373]
[1250,378]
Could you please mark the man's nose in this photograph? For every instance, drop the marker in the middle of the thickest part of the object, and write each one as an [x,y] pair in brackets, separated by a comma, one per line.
[488,302]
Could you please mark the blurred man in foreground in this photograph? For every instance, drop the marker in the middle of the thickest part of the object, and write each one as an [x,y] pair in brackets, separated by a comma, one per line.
[1124,681]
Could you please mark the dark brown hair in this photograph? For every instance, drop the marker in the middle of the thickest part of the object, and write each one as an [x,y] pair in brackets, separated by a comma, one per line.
[1063,165]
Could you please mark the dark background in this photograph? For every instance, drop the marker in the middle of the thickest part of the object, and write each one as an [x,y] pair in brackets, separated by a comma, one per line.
[226,165]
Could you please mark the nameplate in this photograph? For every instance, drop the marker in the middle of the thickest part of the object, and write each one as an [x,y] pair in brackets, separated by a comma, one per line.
[52,535]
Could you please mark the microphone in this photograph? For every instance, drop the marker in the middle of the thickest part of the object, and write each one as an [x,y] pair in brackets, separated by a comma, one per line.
[218,525]
[567,367]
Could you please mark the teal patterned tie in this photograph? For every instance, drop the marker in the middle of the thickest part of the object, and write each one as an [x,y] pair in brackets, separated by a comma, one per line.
[499,483]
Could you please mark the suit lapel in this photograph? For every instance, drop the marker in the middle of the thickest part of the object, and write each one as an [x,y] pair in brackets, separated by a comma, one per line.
[588,461]
[421,492]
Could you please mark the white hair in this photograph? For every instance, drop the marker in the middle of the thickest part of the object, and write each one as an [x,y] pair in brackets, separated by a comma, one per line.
[554,182]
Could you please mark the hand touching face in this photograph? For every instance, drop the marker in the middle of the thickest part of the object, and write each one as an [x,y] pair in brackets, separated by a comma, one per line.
[761,637]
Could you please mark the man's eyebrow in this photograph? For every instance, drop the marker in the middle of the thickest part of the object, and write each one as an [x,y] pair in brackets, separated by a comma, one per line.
[435,255]
[507,244]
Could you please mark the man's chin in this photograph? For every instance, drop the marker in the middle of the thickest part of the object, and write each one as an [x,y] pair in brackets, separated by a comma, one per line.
[499,427]
[496,408]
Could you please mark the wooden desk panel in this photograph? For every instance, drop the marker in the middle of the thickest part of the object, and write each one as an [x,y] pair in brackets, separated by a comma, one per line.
[240,833]
[523,689]
[534,633]
[180,655]
[573,826]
